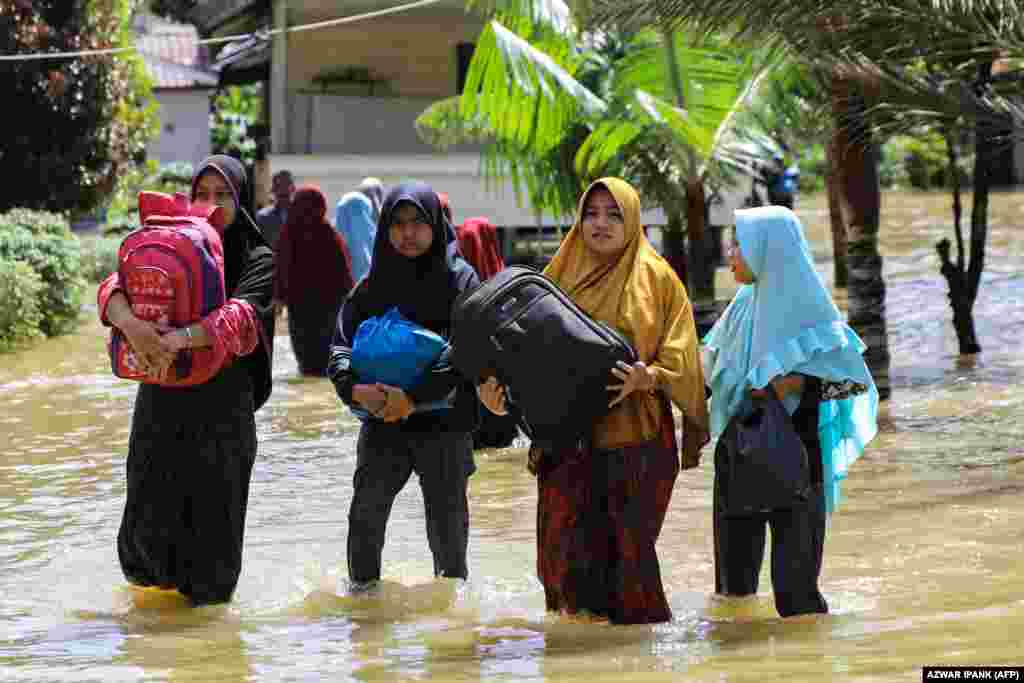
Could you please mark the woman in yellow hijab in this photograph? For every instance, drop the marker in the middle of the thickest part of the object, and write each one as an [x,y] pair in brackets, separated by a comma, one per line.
[601,506]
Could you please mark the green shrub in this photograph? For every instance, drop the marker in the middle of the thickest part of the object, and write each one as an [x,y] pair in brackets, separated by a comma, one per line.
[37,222]
[54,252]
[123,211]
[99,257]
[20,314]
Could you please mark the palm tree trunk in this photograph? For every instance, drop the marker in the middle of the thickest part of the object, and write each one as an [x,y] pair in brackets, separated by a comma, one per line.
[700,266]
[673,244]
[860,194]
[955,274]
[841,270]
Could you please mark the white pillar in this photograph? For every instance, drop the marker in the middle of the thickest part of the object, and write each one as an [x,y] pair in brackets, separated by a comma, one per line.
[279,100]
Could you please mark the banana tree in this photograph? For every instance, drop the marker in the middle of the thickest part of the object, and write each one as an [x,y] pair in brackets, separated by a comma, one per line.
[558,107]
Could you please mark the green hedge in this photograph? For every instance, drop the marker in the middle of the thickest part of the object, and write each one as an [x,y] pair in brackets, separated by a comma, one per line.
[99,257]
[21,289]
[44,241]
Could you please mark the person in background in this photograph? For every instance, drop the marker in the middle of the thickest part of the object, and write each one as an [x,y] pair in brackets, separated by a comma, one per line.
[192,449]
[478,241]
[314,276]
[271,219]
[356,219]
[601,505]
[782,181]
[782,333]
[416,268]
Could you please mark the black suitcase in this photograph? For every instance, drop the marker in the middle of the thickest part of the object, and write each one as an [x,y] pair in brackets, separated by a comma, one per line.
[554,360]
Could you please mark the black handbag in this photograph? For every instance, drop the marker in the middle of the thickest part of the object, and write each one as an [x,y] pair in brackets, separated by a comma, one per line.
[761,461]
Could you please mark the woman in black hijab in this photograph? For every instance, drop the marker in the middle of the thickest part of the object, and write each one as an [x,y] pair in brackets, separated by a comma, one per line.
[192,449]
[416,267]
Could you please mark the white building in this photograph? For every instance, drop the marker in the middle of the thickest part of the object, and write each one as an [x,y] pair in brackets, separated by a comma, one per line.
[183,84]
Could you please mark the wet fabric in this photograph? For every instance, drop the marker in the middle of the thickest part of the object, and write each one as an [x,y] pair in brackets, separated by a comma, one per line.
[357,224]
[639,295]
[599,515]
[311,329]
[385,459]
[313,278]
[494,431]
[188,486]
[478,241]
[786,322]
[798,534]
[191,450]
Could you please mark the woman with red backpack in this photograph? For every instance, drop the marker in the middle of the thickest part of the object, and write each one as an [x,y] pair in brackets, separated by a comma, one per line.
[192,448]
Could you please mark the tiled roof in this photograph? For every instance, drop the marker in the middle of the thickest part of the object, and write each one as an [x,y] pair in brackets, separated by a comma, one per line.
[168,75]
[172,54]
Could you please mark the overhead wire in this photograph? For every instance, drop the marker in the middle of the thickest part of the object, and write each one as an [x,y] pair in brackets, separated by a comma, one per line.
[266,33]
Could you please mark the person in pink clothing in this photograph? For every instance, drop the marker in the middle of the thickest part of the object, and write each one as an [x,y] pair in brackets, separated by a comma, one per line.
[192,449]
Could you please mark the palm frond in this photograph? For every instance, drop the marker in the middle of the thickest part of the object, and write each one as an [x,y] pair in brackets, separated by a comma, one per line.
[608,140]
[523,94]
[546,15]
[442,125]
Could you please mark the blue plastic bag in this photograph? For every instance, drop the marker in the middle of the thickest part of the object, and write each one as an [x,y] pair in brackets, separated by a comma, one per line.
[393,350]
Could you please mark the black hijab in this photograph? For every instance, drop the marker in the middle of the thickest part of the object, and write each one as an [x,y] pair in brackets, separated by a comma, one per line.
[422,288]
[248,267]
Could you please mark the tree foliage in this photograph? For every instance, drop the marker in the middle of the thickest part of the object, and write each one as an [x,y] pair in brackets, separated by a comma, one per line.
[558,105]
[80,121]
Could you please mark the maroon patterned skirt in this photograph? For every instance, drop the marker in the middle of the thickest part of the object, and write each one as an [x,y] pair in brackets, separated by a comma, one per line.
[599,514]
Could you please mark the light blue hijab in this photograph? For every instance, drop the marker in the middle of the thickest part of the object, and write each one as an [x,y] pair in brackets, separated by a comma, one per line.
[356,222]
[786,322]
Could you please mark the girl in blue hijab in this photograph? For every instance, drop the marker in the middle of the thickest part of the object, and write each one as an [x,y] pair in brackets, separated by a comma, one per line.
[356,220]
[783,333]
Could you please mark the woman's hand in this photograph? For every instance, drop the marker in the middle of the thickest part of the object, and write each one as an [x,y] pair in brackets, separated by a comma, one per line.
[635,377]
[143,336]
[146,340]
[370,398]
[492,395]
[397,406]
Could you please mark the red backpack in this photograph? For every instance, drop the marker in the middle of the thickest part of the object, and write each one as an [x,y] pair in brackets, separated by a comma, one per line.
[172,271]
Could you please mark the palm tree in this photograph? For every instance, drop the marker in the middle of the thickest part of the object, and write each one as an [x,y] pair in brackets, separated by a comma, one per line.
[939,62]
[790,113]
[558,106]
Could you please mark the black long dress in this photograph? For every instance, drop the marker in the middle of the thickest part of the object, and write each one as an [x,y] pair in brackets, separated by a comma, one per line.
[192,449]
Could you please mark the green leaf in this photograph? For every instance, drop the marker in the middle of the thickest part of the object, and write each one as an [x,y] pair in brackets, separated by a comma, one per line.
[608,140]
[525,96]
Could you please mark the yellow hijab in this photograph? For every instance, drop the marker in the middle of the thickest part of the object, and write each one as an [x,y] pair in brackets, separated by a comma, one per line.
[638,294]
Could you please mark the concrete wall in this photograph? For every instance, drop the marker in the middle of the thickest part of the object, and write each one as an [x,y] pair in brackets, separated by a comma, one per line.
[414,50]
[335,124]
[184,126]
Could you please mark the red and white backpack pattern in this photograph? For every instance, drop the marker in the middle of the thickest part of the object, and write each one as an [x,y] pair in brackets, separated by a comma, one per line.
[172,271]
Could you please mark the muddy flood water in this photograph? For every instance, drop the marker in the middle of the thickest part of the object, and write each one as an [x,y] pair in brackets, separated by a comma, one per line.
[922,562]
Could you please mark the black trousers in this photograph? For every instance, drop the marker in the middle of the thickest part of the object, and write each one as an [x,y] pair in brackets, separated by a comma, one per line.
[798,540]
[385,459]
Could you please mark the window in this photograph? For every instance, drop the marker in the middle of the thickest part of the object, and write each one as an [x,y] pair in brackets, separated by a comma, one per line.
[463,57]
